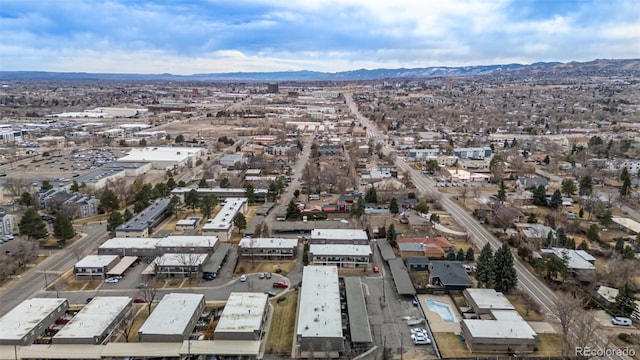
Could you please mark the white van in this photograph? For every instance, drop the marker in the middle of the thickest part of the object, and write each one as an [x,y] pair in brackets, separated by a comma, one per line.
[621,321]
[314,197]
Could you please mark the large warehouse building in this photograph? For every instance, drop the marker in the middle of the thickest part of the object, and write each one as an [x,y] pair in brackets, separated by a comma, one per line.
[319,320]
[28,320]
[95,322]
[173,319]
[164,158]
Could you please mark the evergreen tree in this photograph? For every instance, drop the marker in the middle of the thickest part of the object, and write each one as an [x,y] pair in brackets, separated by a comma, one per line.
[272,191]
[583,246]
[207,204]
[422,208]
[46,185]
[391,235]
[460,255]
[202,184]
[296,193]
[393,206]
[109,201]
[562,237]
[625,177]
[451,255]
[357,209]
[593,234]
[114,220]
[293,212]
[540,196]
[546,160]
[128,215]
[556,200]
[532,218]
[191,199]
[586,185]
[26,199]
[619,245]
[75,187]
[250,193]
[625,302]
[606,218]
[240,222]
[470,255]
[485,266]
[32,225]
[63,228]
[371,197]
[505,274]
[171,183]
[225,183]
[581,213]
[568,187]
[175,205]
[502,193]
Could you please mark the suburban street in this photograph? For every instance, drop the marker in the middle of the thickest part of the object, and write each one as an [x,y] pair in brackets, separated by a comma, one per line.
[479,235]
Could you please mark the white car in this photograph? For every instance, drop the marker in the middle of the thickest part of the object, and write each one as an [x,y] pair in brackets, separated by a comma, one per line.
[111,280]
[421,341]
[243,278]
[419,331]
[621,321]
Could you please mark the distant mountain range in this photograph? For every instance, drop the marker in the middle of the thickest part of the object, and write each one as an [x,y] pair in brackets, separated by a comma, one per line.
[362,74]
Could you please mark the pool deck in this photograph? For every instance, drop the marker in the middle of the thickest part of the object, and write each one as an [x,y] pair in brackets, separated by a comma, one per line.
[435,321]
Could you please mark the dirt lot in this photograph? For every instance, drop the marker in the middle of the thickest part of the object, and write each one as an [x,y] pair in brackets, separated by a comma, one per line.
[280,338]
[247,267]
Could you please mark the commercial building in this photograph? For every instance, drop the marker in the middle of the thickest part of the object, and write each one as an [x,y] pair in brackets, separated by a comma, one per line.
[268,248]
[173,319]
[243,317]
[339,236]
[143,223]
[222,224]
[95,321]
[164,158]
[95,265]
[112,171]
[25,322]
[499,328]
[319,328]
[341,255]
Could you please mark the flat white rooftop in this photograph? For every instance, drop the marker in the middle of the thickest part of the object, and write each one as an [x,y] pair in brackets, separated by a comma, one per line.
[490,299]
[271,243]
[243,312]
[23,318]
[628,223]
[188,241]
[500,329]
[224,219]
[130,243]
[95,261]
[319,306]
[339,234]
[172,314]
[169,154]
[181,259]
[339,250]
[95,317]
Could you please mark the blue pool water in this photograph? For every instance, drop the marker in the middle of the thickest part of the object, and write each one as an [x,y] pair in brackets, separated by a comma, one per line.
[444,310]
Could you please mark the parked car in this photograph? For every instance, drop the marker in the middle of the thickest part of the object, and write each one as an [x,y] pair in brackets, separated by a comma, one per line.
[415,302]
[376,269]
[139,300]
[208,276]
[111,280]
[419,331]
[262,275]
[270,293]
[268,275]
[243,278]
[89,299]
[280,285]
[142,285]
[621,321]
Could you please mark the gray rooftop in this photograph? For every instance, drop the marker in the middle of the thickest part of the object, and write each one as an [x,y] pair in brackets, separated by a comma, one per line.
[107,170]
[25,316]
[385,249]
[214,262]
[450,273]
[148,216]
[95,317]
[401,278]
[320,298]
[172,314]
[357,308]
[243,312]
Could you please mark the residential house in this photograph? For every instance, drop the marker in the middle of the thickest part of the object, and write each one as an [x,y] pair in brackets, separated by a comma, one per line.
[580,262]
[417,263]
[450,275]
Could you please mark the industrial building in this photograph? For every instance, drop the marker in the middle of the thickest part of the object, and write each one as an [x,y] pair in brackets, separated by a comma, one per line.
[112,171]
[165,158]
[243,317]
[339,236]
[319,329]
[173,319]
[95,265]
[268,248]
[95,321]
[143,223]
[222,224]
[498,327]
[27,321]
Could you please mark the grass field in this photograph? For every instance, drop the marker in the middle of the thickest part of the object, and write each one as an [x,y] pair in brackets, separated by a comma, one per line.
[450,346]
[280,338]
[247,267]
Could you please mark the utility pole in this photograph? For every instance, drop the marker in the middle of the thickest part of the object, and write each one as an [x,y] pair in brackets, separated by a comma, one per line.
[400,346]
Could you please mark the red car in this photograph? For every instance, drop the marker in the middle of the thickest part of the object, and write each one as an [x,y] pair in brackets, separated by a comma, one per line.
[280,284]
[139,300]
[376,269]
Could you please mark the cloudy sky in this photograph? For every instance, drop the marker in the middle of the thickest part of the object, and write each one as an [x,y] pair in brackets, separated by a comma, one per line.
[207,36]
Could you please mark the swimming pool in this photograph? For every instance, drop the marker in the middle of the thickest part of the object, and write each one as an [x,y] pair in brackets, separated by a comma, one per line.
[444,310]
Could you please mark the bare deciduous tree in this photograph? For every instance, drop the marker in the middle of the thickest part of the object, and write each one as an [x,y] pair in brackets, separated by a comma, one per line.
[150,293]
[567,309]
[125,327]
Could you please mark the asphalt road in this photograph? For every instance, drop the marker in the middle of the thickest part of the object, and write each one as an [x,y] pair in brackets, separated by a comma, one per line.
[58,262]
[480,236]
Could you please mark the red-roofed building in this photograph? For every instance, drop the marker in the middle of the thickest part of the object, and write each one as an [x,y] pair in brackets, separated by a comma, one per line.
[433,248]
